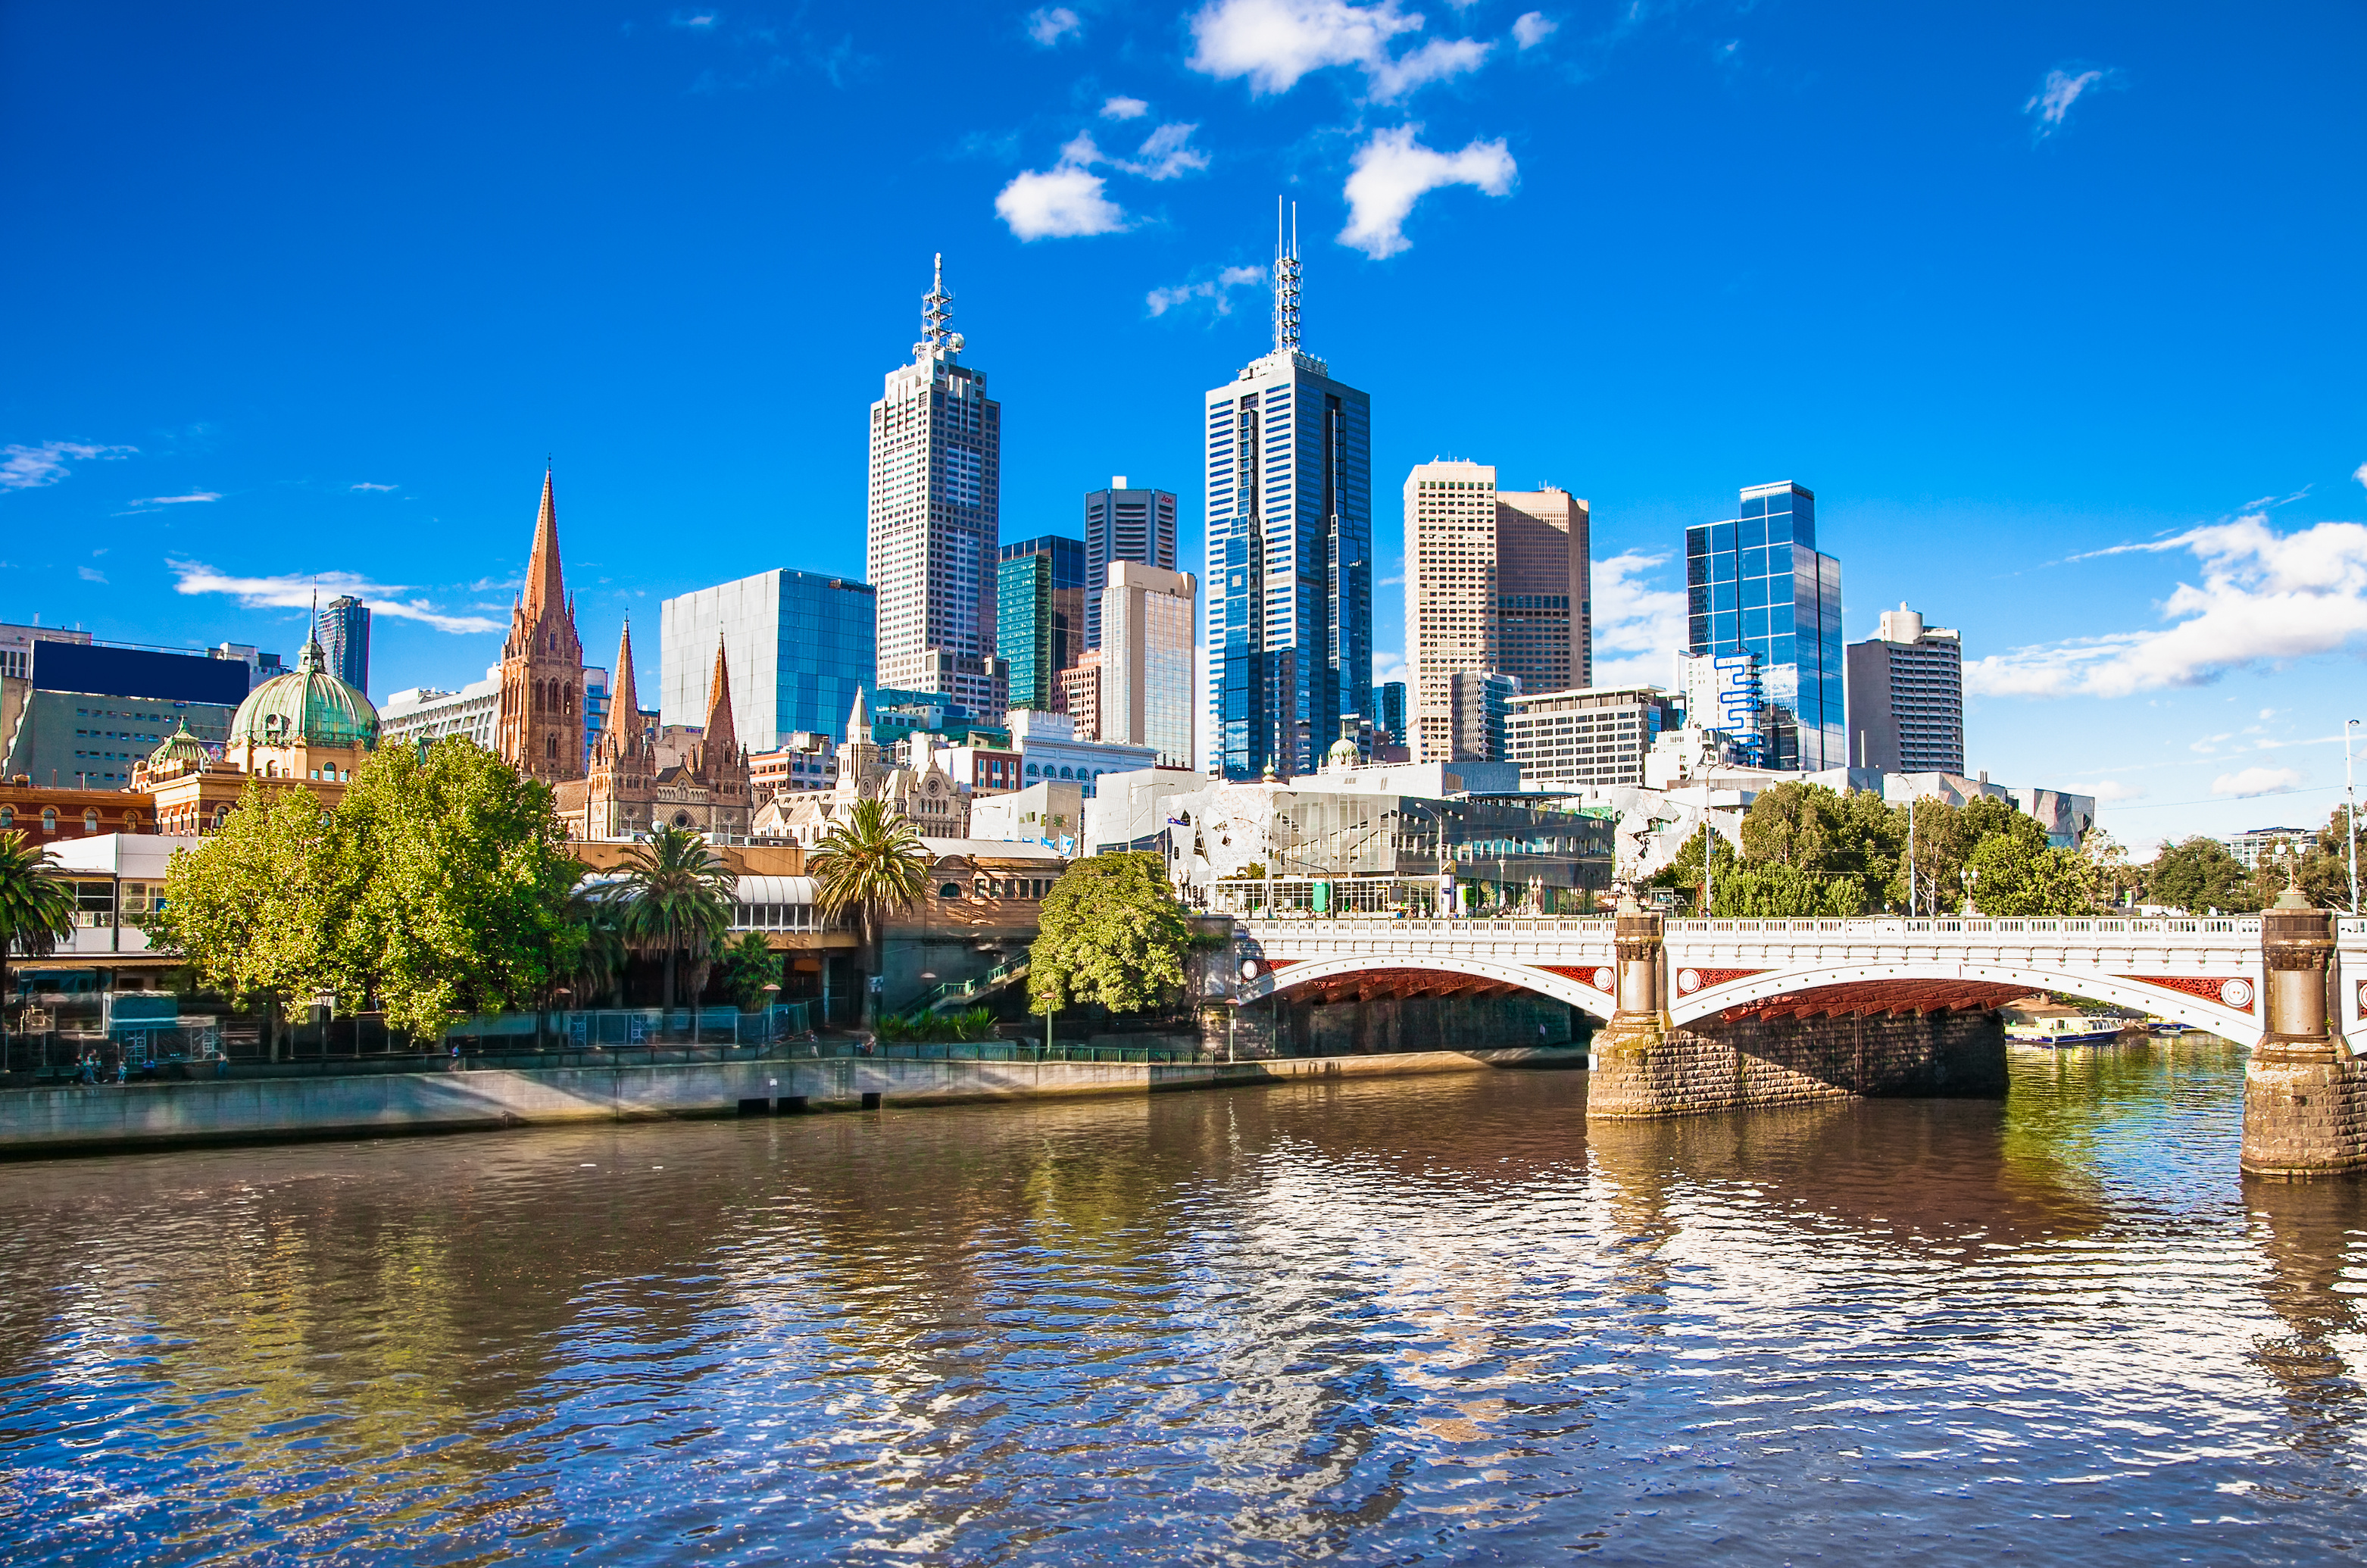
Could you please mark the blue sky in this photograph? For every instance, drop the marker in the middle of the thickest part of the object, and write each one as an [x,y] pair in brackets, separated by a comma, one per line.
[2055,307]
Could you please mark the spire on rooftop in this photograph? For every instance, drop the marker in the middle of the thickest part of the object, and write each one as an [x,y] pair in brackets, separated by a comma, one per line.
[1285,278]
[937,310]
[624,707]
[718,708]
[545,589]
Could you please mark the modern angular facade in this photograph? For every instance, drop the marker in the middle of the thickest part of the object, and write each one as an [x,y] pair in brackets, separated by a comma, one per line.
[1039,616]
[801,642]
[936,461]
[1907,698]
[1145,653]
[1757,585]
[1124,523]
[1288,477]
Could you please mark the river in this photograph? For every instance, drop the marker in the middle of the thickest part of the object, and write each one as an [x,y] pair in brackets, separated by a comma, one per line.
[1432,1318]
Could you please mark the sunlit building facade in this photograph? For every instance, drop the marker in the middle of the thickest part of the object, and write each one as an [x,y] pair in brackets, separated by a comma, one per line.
[1757,585]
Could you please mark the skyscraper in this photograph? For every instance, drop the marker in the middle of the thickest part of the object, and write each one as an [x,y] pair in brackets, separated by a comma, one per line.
[1039,616]
[936,446]
[1907,698]
[1496,583]
[1288,473]
[1756,585]
[343,628]
[801,642]
[1146,651]
[1389,702]
[1123,524]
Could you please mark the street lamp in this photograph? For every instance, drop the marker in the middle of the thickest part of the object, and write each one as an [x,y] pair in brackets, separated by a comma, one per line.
[2350,812]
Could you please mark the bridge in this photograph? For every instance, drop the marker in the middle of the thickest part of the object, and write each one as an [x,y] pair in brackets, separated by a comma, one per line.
[1717,1014]
[2205,972]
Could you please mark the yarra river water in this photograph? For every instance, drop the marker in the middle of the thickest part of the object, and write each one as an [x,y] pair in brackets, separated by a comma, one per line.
[1422,1320]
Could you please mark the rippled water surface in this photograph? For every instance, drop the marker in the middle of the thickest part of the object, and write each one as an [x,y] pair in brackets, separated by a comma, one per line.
[1422,1320]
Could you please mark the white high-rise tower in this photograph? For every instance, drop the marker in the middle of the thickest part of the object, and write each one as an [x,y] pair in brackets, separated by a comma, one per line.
[936,446]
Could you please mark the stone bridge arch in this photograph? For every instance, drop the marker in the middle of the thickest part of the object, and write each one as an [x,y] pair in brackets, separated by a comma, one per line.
[1312,975]
[1868,980]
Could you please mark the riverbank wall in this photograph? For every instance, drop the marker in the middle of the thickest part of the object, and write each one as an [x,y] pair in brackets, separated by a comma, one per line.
[96,1118]
[1728,1065]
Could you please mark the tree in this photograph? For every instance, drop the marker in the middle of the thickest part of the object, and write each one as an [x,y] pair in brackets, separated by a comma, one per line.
[37,907]
[2015,872]
[447,880]
[1111,933]
[2198,876]
[1784,892]
[679,898]
[1841,842]
[248,908]
[2116,876]
[599,912]
[750,965]
[871,863]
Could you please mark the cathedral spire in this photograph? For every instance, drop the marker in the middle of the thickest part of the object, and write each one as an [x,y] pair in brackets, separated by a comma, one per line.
[545,589]
[718,709]
[624,707]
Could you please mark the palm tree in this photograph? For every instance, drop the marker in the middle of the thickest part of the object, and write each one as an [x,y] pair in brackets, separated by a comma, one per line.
[37,907]
[870,863]
[680,897]
[599,908]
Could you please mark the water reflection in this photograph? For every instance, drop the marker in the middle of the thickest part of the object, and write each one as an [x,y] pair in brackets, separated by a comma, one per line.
[1373,1321]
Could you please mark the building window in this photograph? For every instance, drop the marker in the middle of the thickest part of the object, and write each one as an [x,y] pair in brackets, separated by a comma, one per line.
[90,821]
[8,817]
[950,890]
[49,819]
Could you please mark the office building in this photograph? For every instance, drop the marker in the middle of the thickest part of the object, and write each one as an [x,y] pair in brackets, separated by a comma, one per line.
[17,669]
[1389,710]
[1080,695]
[1721,692]
[1146,696]
[426,714]
[343,628]
[1907,698]
[1288,477]
[1039,616]
[1050,748]
[1587,737]
[936,445]
[1470,710]
[800,646]
[1756,584]
[1496,581]
[92,710]
[2261,844]
[1123,524]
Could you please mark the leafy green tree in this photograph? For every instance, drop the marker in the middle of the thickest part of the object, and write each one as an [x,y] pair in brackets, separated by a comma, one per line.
[678,898]
[2198,876]
[749,965]
[872,863]
[597,909]
[2015,872]
[37,907]
[249,906]
[447,880]
[1111,933]
[1839,841]
[1786,892]
[2117,877]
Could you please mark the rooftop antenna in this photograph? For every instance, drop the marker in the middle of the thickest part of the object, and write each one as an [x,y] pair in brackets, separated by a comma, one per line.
[937,310]
[1286,279]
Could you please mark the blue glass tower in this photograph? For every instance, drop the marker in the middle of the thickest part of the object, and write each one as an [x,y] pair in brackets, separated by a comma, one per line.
[1039,615]
[1289,555]
[1757,585]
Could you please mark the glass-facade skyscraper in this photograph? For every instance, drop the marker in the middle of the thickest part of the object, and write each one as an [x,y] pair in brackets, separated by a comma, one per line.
[1288,475]
[343,628]
[1039,622]
[1757,585]
[800,646]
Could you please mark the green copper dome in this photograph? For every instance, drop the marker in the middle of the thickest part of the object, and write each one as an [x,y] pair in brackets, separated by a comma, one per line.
[180,747]
[308,705]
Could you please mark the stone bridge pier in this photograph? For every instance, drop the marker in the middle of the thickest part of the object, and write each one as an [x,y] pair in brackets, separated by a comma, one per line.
[2304,1094]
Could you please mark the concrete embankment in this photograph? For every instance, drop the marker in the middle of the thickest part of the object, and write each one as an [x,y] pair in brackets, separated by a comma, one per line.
[83,1119]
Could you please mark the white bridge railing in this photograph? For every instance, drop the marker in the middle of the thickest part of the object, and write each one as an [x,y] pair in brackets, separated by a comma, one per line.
[1598,926]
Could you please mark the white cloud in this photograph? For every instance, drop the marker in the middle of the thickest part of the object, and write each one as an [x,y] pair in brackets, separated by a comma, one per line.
[1532,27]
[193,495]
[90,573]
[1642,626]
[295,591]
[2256,781]
[1122,107]
[366,484]
[2264,596]
[1217,291]
[1389,666]
[1060,202]
[1394,171]
[1166,152]
[696,18]
[2056,95]
[1047,25]
[1275,42]
[2359,473]
[30,467]
[2109,790]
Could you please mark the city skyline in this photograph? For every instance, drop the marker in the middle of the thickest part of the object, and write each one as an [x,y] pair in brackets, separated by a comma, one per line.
[203,423]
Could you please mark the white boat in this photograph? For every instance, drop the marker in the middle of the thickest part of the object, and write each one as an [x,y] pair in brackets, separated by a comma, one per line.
[2065,1028]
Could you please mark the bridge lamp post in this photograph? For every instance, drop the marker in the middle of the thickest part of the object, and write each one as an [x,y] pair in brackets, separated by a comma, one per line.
[2350,812]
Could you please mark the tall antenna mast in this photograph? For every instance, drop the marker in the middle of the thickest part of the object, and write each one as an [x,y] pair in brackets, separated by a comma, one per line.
[1286,279]
[937,310]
